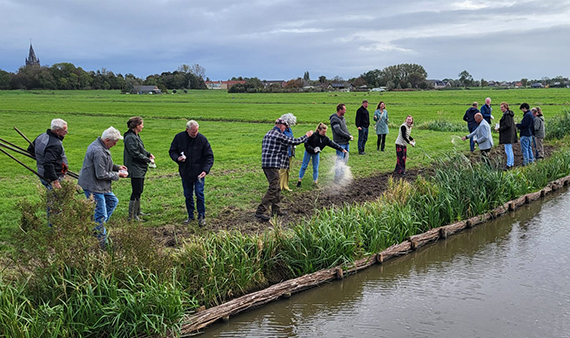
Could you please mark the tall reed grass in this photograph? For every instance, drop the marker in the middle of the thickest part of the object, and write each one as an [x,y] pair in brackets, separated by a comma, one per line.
[558,126]
[140,287]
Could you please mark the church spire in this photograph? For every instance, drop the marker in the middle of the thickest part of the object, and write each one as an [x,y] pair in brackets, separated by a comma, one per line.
[32,60]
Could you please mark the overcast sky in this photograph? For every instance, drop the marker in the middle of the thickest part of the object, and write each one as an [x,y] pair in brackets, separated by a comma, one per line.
[281,39]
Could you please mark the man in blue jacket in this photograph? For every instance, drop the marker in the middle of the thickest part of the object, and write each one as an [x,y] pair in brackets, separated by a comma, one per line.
[526,128]
[486,110]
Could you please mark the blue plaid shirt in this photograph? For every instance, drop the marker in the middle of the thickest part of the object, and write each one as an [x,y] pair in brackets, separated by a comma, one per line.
[274,148]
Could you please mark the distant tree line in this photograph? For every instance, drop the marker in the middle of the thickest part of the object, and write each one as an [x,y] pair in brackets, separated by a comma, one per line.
[67,76]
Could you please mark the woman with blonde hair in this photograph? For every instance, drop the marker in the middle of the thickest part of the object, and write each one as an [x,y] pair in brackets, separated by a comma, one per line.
[291,120]
[313,148]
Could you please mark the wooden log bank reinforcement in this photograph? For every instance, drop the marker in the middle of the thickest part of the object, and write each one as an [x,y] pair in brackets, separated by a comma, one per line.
[192,323]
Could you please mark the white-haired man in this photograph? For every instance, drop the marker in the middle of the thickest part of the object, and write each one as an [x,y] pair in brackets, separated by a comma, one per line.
[50,155]
[194,156]
[97,173]
[51,161]
[486,110]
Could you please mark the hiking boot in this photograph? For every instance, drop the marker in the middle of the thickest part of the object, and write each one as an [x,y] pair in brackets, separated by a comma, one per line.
[299,184]
[201,222]
[188,221]
[262,217]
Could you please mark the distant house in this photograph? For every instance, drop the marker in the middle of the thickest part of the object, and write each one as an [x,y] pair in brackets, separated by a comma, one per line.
[147,90]
[221,84]
[438,84]
[537,85]
[340,86]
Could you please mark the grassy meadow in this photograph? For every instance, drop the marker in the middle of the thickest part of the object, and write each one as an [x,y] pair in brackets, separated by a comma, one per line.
[234,125]
[59,284]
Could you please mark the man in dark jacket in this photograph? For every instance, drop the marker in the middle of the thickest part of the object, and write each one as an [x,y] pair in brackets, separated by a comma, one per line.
[526,128]
[341,136]
[50,155]
[192,151]
[51,161]
[487,111]
[469,117]
[362,122]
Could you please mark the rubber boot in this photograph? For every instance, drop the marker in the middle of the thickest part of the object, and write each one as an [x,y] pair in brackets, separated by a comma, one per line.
[137,210]
[131,210]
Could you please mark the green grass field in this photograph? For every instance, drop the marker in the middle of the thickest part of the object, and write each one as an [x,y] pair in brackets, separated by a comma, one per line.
[234,125]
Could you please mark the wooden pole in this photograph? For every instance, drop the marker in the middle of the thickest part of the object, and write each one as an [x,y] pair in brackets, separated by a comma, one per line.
[25,166]
[22,134]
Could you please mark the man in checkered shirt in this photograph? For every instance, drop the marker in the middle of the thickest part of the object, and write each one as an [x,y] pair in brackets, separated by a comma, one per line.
[274,157]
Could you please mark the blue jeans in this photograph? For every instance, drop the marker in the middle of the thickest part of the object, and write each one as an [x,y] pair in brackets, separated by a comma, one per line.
[510,155]
[526,148]
[105,204]
[189,188]
[342,159]
[362,138]
[306,158]
[471,142]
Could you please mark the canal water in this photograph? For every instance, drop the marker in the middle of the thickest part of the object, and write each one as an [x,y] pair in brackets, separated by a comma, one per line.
[506,278]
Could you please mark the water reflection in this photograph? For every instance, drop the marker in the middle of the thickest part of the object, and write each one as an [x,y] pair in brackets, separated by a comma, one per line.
[507,278]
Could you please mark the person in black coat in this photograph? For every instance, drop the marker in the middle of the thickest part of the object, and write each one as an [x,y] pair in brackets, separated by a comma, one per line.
[362,122]
[507,133]
[194,156]
[136,158]
[313,147]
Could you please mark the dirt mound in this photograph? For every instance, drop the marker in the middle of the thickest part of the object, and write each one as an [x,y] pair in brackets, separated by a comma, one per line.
[303,205]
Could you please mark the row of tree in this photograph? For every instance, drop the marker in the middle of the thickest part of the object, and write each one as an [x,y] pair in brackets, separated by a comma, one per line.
[67,76]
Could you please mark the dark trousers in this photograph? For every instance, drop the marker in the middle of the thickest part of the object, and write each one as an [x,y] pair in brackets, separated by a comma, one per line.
[401,159]
[137,187]
[273,195]
[381,142]
[362,138]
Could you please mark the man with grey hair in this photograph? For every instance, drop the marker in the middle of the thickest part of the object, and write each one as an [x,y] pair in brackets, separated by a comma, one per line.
[50,155]
[51,161]
[486,110]
[194,156]
[97,173]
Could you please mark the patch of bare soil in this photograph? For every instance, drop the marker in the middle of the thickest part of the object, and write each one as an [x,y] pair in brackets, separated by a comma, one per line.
[299,205]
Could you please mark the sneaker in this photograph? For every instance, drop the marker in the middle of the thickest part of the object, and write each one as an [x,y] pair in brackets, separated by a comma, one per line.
[188,221]
[299,184]
[201,222]
[262,217]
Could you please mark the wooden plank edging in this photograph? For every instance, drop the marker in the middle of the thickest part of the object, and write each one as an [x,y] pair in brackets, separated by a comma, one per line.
[199,320]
